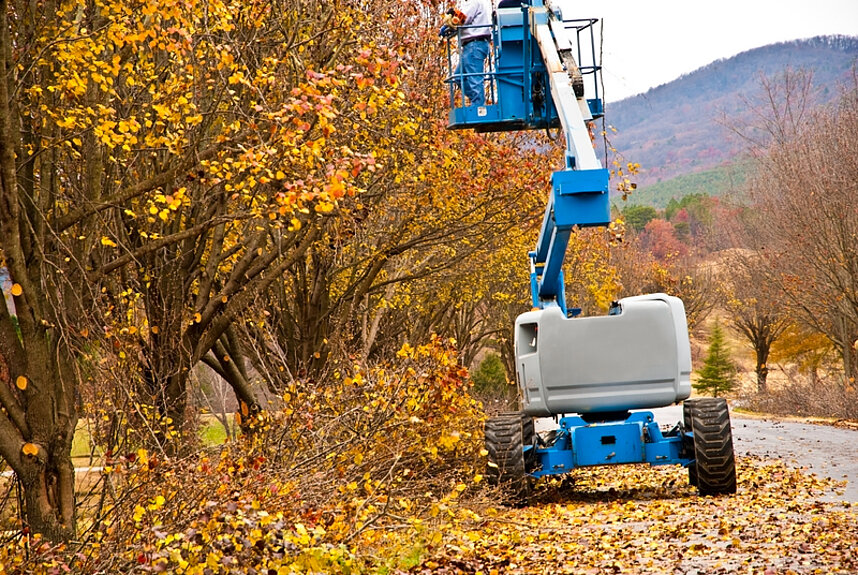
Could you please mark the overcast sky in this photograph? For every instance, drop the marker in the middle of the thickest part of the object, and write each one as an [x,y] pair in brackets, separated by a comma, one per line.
[652,42]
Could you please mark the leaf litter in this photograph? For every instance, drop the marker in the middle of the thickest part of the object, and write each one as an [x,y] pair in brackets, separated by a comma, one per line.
[639,519]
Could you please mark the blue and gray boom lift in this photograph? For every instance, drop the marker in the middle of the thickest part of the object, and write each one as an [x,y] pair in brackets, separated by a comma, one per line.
[595,376]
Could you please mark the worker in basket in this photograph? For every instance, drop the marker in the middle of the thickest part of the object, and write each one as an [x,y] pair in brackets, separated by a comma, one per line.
[475,18]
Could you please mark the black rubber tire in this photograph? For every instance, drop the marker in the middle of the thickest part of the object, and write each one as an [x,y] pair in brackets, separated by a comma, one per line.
[506,435]
[714,469]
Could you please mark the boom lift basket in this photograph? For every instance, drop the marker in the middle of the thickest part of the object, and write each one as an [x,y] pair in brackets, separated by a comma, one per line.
[517,88]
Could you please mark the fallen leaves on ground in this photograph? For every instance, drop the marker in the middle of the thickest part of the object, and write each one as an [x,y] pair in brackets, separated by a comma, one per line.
[637,519]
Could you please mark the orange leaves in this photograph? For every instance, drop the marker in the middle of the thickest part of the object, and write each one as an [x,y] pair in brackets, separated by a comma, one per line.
[363,82]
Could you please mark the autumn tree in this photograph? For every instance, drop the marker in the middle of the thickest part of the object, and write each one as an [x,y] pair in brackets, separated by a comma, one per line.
[805,189]
[159,172]
[415,253]
[38,378]
[755,307]
[639,271]
[637,216]
[659,237]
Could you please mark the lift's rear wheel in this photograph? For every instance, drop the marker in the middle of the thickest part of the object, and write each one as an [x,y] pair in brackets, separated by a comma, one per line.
[714,469]
[506,436]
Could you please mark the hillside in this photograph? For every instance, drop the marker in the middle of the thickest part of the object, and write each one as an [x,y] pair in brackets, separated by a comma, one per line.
[679,128]
[726,179]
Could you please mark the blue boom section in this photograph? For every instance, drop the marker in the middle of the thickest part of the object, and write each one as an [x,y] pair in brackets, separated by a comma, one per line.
[530,86]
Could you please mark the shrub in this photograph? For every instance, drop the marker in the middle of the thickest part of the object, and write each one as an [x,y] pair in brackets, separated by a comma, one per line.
[347,472]
[490,376]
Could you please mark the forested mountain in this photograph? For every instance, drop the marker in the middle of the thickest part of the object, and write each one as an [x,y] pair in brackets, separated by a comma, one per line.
[682,127]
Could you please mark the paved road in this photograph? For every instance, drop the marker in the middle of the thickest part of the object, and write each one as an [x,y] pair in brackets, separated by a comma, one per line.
[825,450]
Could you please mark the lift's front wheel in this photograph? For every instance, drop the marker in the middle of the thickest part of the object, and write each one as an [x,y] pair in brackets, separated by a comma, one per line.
[714,468]
[507,435]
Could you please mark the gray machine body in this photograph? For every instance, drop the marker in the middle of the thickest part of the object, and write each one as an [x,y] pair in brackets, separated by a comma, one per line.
[638,358]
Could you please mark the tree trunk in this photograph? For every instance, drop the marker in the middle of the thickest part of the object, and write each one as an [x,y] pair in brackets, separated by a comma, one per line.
[762,367]
[37,391]
[47,481]
[36,433]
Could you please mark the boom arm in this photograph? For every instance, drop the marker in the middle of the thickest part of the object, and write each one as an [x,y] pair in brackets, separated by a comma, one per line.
[534,83]
[579,193]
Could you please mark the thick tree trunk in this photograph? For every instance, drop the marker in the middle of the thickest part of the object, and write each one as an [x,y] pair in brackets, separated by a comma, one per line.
[36,434]
[762,367]
[37,391]
[47,482]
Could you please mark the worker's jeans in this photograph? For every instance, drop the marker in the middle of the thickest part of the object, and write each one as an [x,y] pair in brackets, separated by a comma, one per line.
[472,63]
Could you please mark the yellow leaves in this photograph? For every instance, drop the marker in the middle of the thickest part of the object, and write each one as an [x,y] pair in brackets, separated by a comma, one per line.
[139,512]
[106,241]
[324,207]
[128,126]
[156,503]
[16,290]
[634,519]
[142,457]
[363,82]
[21,382]
[164,112]
[67,122]
[448,442]
[335,187]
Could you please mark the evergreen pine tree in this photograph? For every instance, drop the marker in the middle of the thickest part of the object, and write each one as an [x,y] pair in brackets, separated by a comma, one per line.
[490,376]
[719,372]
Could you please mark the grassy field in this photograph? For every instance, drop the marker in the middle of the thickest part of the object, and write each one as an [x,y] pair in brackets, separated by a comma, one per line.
[720,181]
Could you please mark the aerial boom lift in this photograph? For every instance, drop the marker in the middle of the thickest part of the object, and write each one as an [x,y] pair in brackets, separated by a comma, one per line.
[588,373]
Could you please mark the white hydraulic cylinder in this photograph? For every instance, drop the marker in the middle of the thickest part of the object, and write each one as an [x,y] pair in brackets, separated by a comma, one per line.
[553,37]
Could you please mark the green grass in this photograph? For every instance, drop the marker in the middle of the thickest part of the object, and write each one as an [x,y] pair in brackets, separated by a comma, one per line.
[211,430]
[720,181]
[212,433]
[82,442]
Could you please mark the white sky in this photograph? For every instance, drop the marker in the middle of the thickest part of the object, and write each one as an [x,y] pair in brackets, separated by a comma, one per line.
[652,42]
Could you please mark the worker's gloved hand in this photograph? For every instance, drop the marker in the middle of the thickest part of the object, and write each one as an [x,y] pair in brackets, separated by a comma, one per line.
[454,17]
